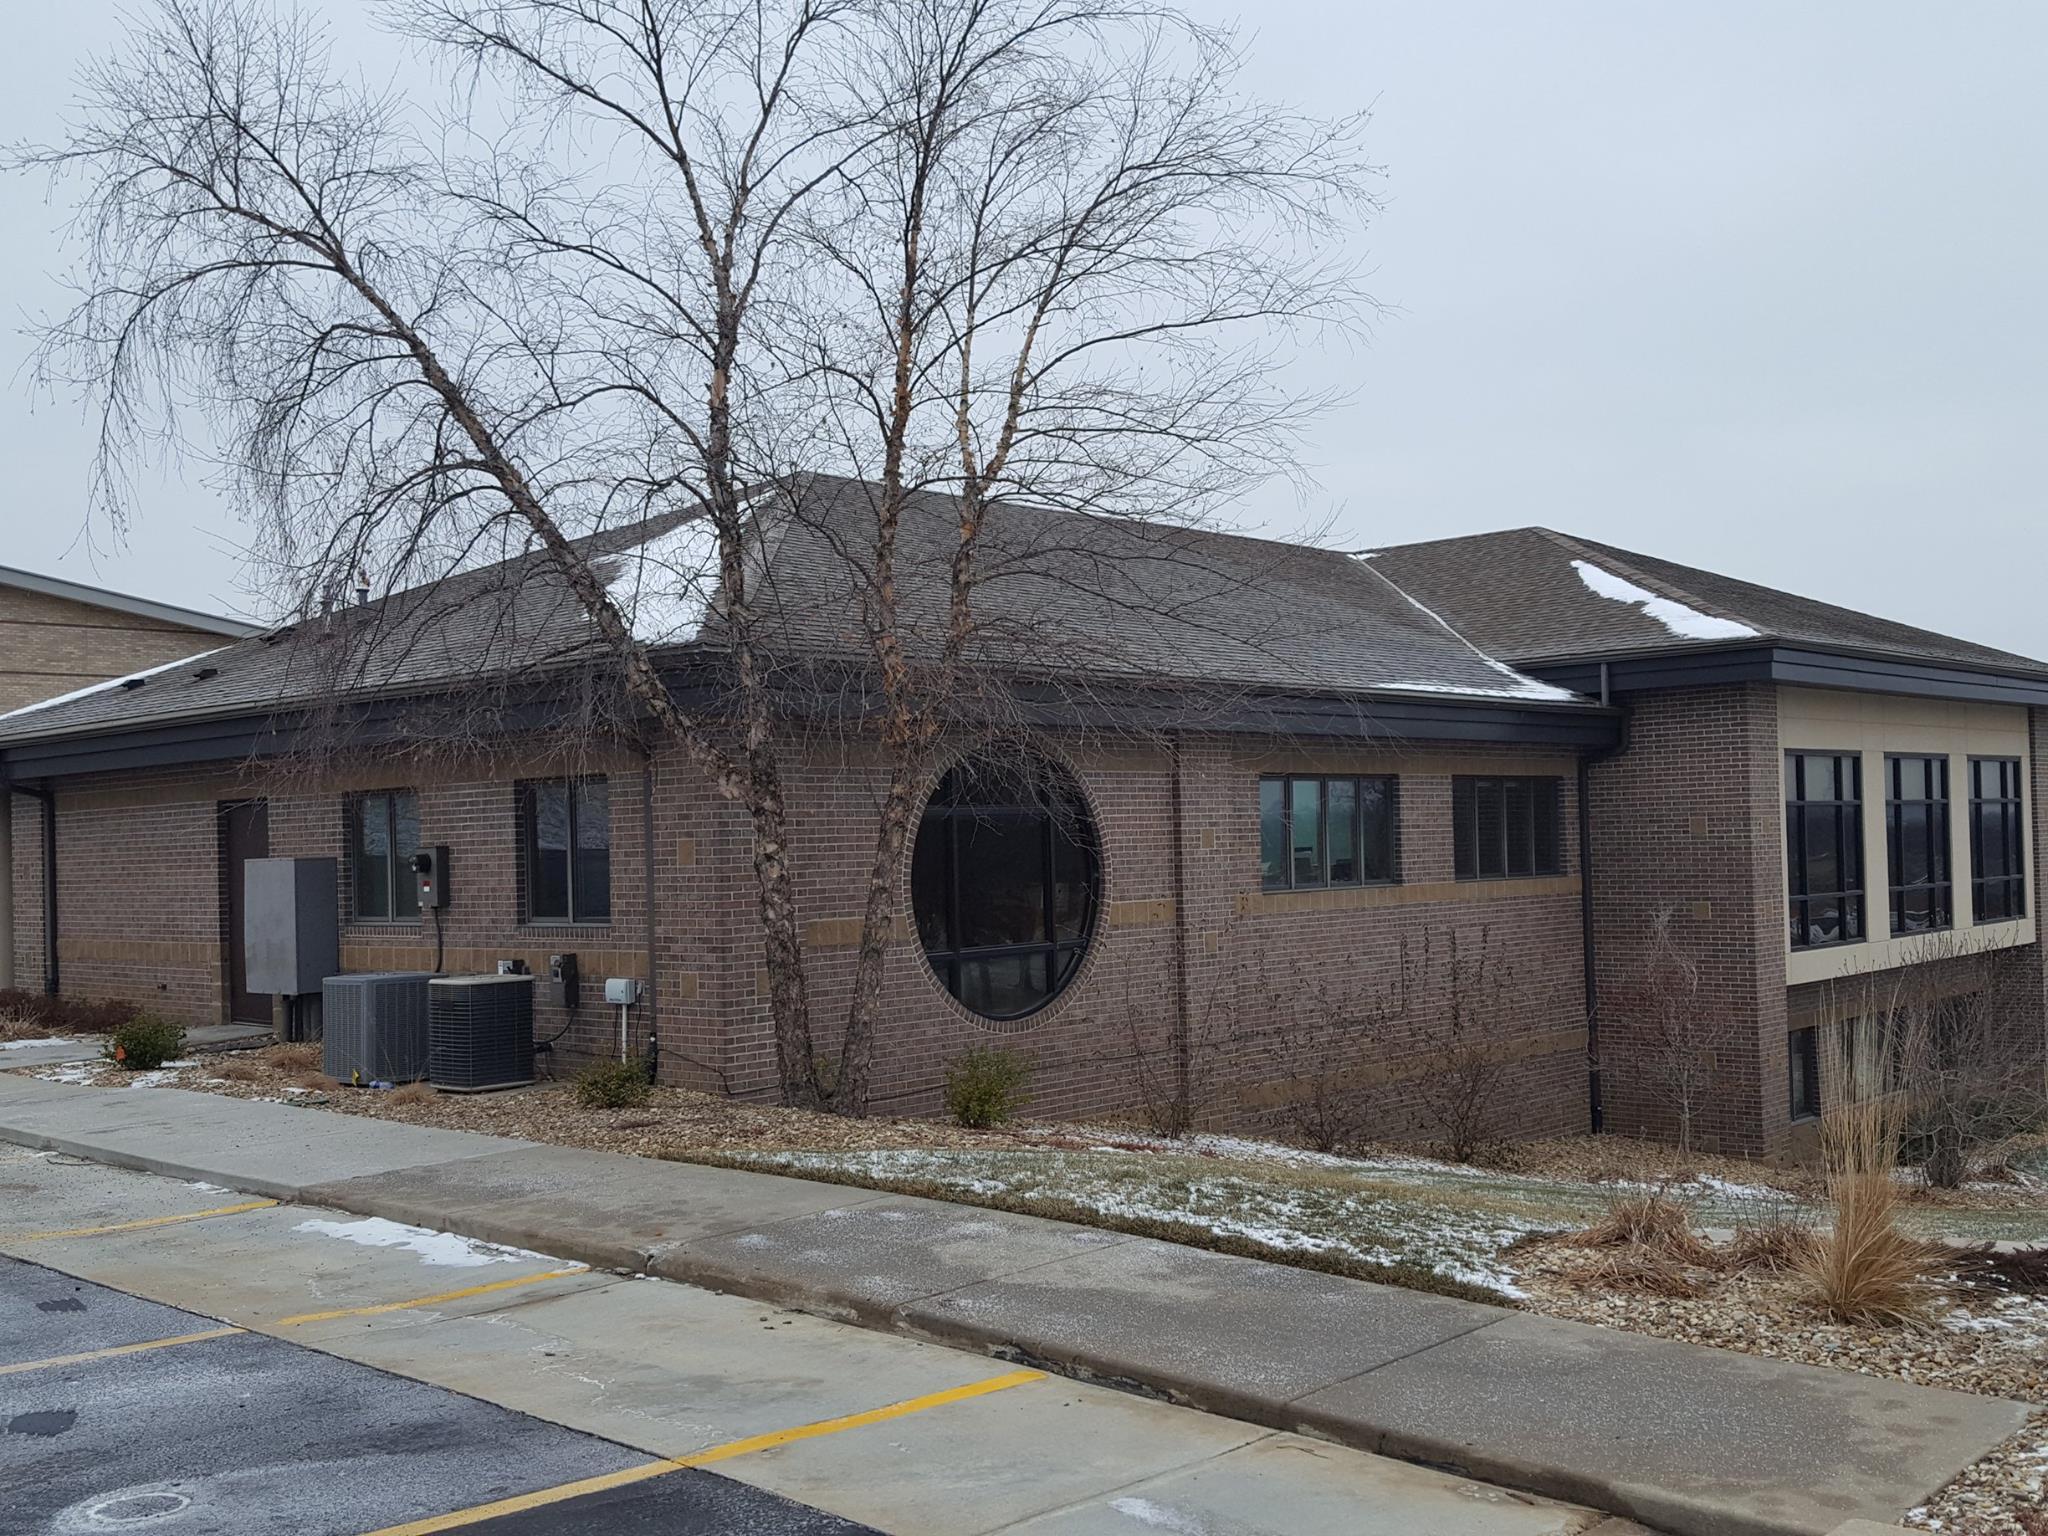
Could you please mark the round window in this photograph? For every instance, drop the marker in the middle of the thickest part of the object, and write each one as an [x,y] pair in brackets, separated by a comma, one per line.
[1004,879]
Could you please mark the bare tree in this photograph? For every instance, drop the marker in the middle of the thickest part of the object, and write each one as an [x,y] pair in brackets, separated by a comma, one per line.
[1954,1040]
[1675,1035]
[993,248]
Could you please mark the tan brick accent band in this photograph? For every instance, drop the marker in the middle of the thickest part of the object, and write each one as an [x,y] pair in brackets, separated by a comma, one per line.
[1357,897]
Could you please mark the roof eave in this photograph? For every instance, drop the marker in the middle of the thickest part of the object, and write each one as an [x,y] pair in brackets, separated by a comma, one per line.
[121,602]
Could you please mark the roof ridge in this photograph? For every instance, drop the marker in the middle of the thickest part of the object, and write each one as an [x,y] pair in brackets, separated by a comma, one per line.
[1603,555]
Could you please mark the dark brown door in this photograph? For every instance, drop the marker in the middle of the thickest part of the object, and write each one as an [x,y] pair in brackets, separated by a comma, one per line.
[244,835]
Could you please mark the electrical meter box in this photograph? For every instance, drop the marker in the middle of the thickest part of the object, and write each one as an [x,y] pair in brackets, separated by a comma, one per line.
[430,874]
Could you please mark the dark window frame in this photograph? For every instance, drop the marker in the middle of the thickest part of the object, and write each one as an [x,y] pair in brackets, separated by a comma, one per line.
[1941,890]
[1802,1061]
[578,915]
[1852,890]
[2010,889]
[1060,957]
[1473,796]
[399,887]
[1389,842]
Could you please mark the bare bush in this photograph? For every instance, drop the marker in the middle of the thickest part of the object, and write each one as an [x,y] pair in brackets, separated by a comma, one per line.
[1466,1008]
[1675,1034]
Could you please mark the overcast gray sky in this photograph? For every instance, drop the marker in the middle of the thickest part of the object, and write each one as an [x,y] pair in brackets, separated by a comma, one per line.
[1753,286]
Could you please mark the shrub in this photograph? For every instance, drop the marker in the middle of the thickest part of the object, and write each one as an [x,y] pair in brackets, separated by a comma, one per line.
[1863,1269]
[985,1086]
[299,1056]
[1651,1223]
[144,1044]
[413,1093]
[67,1015]
[612,1085]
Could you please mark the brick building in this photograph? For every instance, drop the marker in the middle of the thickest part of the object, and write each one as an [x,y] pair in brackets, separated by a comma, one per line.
[1265,821]
[58,636]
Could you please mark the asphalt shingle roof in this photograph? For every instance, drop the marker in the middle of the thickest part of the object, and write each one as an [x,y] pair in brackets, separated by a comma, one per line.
[1522,595]
[1058,592]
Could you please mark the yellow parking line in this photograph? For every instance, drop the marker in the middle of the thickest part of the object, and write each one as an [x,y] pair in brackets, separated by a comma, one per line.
[136,1226]
[427,1301]
[726,1452]
[119,1349]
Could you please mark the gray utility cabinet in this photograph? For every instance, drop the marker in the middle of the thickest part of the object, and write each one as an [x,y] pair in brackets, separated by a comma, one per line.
[291,924]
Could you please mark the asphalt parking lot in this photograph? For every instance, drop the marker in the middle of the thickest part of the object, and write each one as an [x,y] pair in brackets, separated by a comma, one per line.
[178,1359]
[121,1414]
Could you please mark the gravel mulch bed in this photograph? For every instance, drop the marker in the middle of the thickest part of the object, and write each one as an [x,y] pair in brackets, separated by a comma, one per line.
[1980,1341]
[672,1121]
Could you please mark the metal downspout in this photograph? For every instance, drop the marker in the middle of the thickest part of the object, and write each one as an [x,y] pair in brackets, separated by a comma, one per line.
[1596,1112]
[6,886]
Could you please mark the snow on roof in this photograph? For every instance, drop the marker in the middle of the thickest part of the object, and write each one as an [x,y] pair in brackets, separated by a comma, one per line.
[1686,623]
[665,585]
[112,682]
[1519,685]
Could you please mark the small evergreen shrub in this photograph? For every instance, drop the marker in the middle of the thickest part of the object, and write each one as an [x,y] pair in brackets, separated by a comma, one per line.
[613,1085]
[144,1044]
[985,1087]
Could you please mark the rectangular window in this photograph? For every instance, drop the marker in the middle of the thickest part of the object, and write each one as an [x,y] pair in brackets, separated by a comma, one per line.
[1998,868]
[1916,840]
[1503,828]
[1802,1050]
[565,835]
[1824,847]
[384,833]
[1320,831]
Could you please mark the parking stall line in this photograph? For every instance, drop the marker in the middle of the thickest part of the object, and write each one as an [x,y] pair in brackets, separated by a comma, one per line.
[137,1225]
[517,1504]
[299,1320]
[116,1350]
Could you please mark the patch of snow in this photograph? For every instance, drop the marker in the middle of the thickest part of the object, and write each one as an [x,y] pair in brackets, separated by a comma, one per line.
[208,1189]
[1686,623]
[112,682]
[437,1248]
[25,1045]
[77,1073]
[665,585]
[1158,1516]
[1519,685]
[1526,688]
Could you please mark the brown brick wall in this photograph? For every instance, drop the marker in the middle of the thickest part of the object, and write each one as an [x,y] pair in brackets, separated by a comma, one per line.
[1688,820]
[140,896]
[52,645]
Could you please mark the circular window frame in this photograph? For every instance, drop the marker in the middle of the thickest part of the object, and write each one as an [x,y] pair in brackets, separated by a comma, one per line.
[1087,947]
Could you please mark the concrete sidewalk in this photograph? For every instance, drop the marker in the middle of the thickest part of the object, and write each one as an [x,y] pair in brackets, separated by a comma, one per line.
[1695,1441]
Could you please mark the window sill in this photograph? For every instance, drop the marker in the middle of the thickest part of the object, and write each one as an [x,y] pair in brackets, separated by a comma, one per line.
[1823,948]
[1534,874]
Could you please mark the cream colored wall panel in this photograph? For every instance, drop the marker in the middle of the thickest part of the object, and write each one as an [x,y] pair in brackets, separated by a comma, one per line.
[1871,725]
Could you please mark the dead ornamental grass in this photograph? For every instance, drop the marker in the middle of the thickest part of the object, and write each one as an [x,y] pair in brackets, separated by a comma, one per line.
[1863,1269]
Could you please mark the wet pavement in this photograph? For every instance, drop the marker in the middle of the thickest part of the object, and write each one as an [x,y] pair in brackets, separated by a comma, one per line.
[106,1427]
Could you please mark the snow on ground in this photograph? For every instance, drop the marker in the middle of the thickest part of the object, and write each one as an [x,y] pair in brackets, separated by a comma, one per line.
[435,1248]
[1325,1212]
[24,1045]
[1686,623]
[77,1073]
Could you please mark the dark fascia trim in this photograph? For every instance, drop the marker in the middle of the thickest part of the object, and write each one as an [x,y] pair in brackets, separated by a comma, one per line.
[1805,666]
[1044,704]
